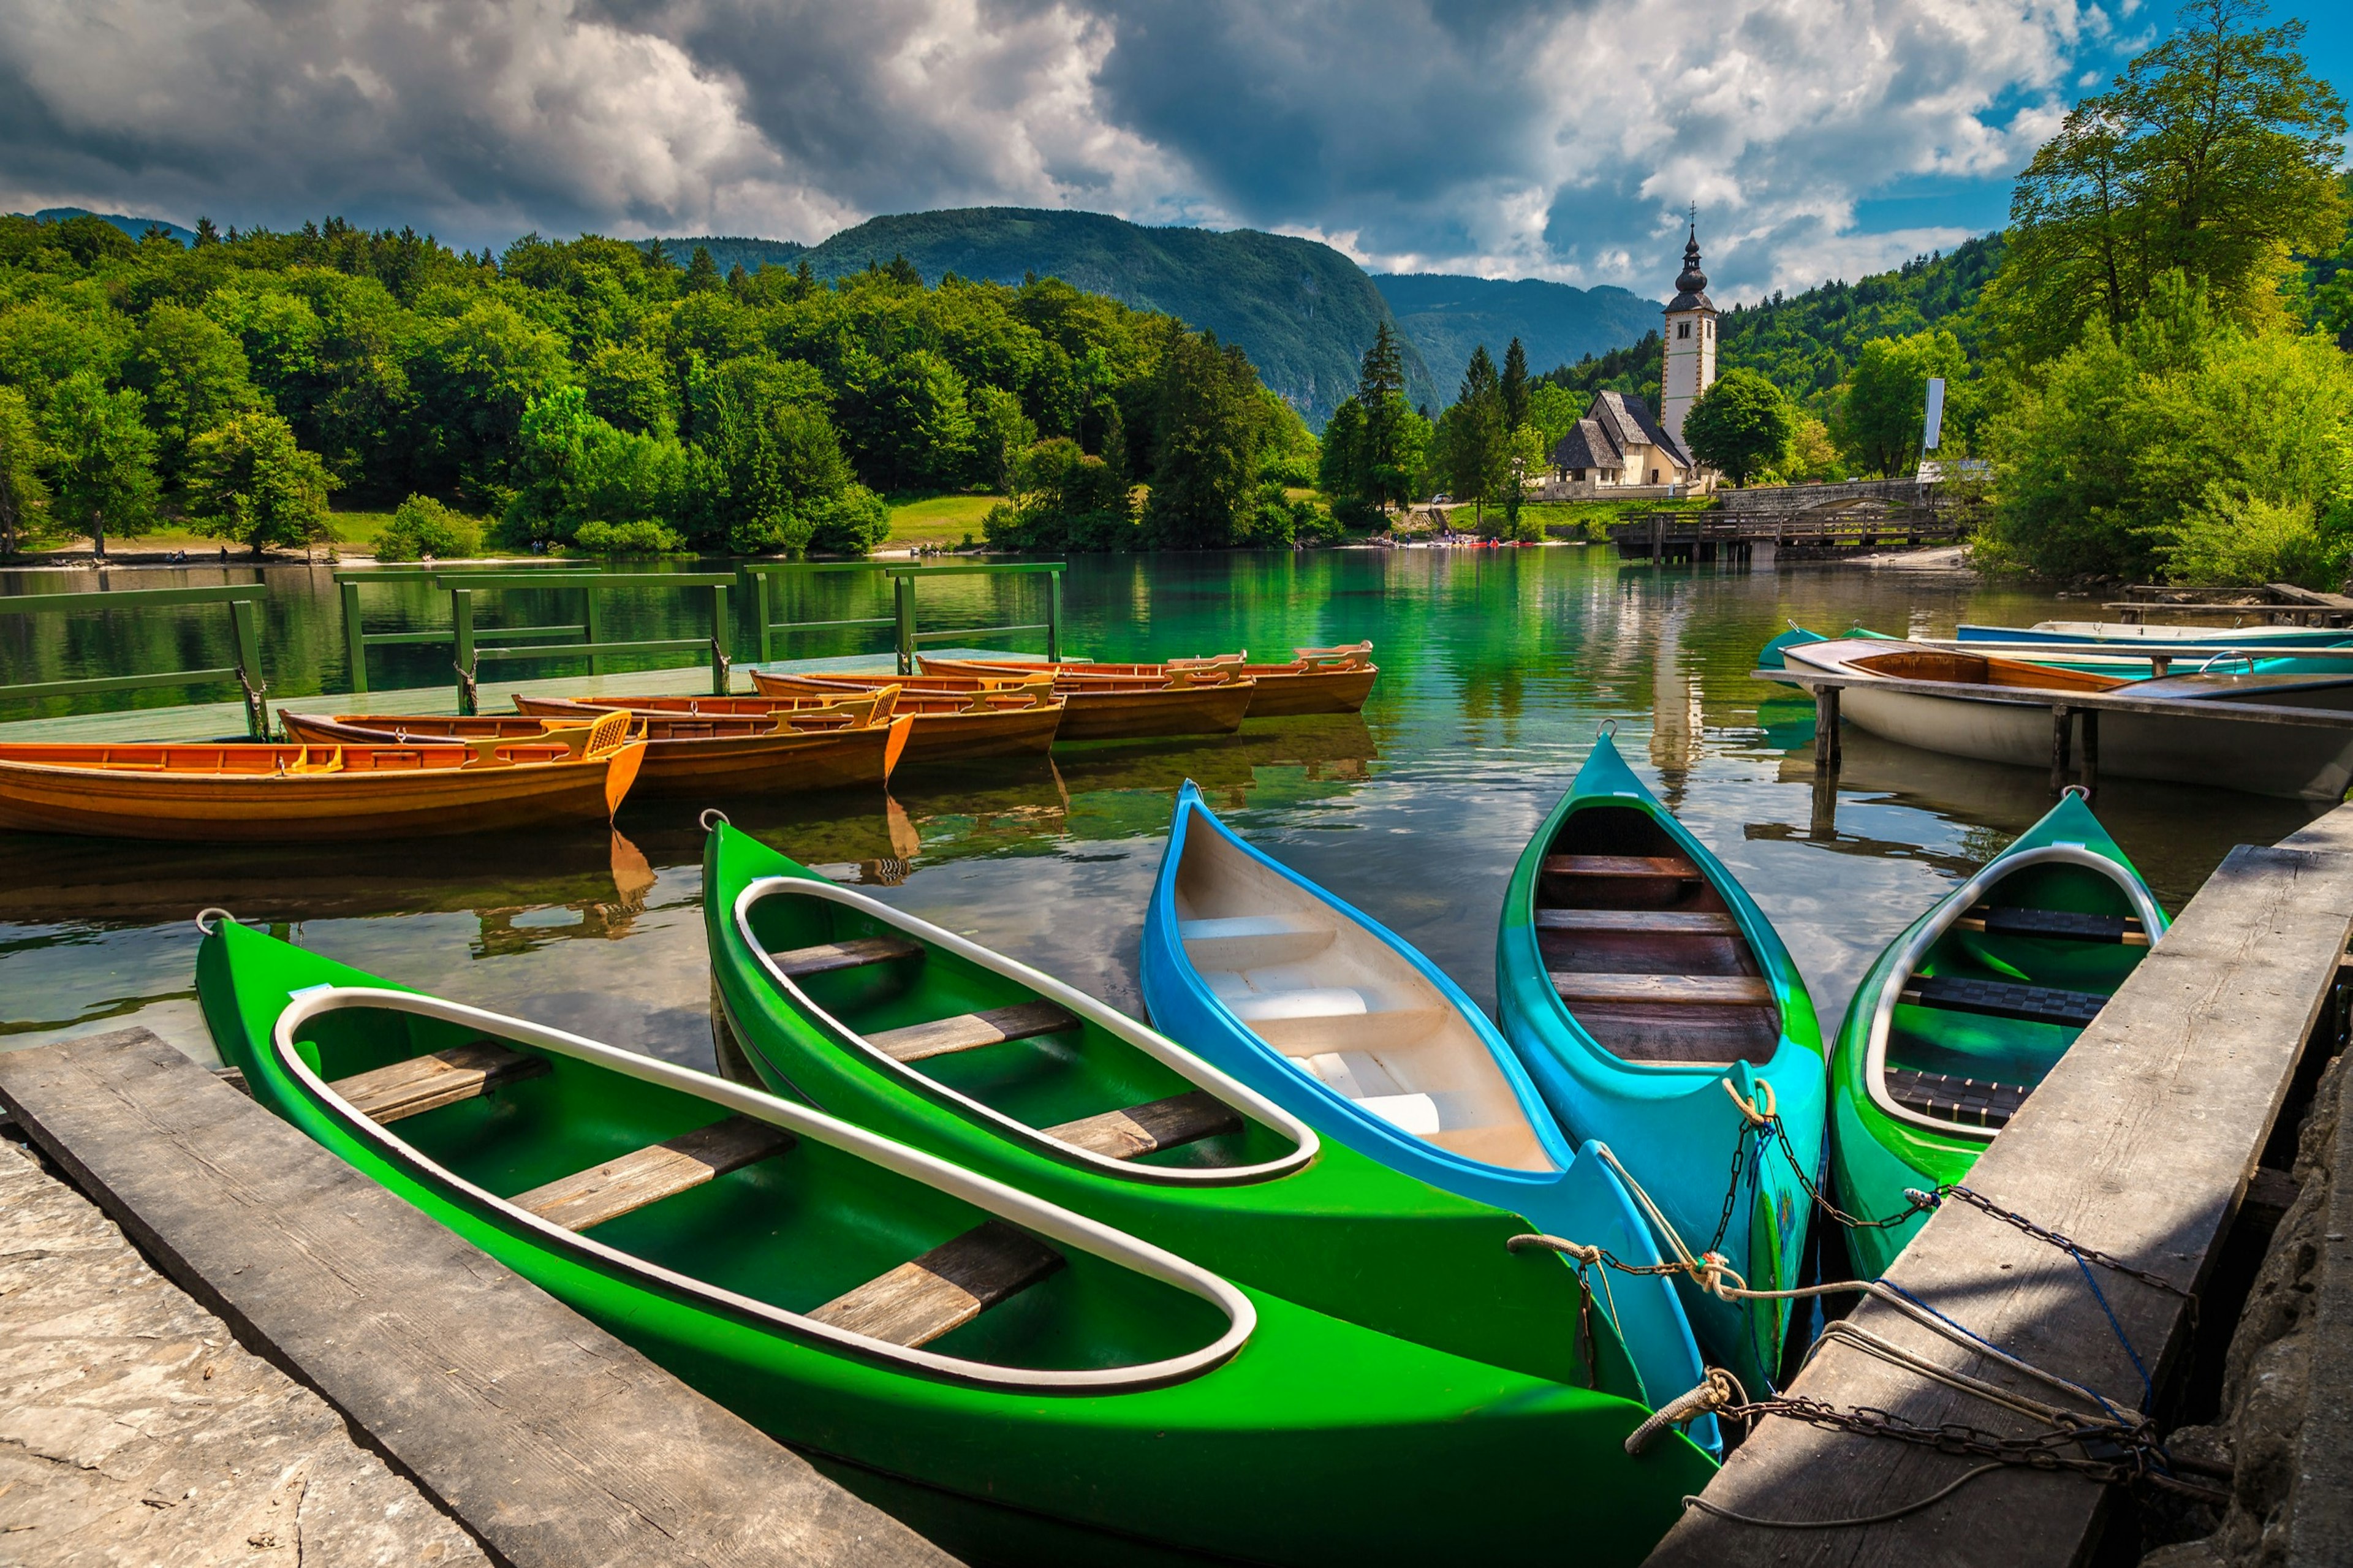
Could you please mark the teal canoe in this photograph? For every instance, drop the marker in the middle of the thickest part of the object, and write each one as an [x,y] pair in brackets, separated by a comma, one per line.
[1966,1011]
[1025,1384]
[1644,990]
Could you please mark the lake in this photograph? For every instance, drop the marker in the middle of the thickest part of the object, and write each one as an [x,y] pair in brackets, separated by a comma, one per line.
[1496,669]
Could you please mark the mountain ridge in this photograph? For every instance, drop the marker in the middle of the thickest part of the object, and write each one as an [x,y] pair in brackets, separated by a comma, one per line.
[1448,315]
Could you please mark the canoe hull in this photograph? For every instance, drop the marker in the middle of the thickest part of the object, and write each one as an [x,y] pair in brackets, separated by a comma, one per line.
[309,807]
[934,737]
[1283,692]
[1149,712]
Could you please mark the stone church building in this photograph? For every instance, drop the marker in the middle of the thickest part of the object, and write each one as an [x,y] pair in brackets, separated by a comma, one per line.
[1620,447]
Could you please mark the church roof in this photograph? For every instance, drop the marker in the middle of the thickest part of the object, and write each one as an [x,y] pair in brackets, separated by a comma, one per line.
[1614,425]
[1585,446]
[1690,285]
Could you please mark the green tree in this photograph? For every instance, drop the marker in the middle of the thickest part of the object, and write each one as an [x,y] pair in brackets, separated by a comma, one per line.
[1058,497]
[1207,430]
[1473,448]
[103,463]
[909,422]
[193,376]
[702,274]
[1515,385]
[571,467]
[23,498]
[249,480]
[423,529]
[1884,413]
[1740,426]
[1554,410]
[43,342]
[630,387]
[1001,433]
[1389,466]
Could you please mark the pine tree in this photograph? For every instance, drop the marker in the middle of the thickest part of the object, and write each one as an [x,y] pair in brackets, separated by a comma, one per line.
[1515,385]
[702,272]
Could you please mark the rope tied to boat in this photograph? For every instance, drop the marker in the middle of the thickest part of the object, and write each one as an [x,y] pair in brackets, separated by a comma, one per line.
[1717,1391]
[211,909]
[720,664]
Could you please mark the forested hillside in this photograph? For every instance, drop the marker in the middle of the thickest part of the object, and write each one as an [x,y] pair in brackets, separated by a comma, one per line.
[1448,317]
[590,390]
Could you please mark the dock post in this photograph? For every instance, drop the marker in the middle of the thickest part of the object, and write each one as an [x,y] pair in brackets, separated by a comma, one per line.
[760,603]
[1053,617]
[355,642]
[248,667]
[462,645]
[1828,754]
[903,607]
[719,641]
[588,626]
[2062,726]
[2091,774]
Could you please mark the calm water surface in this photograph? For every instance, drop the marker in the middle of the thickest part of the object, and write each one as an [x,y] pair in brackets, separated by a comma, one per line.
[1496,669]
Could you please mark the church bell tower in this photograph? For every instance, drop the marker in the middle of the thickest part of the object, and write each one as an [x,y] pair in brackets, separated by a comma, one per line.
[1690,343]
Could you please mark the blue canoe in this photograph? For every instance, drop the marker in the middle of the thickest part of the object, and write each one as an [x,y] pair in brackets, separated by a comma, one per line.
[1346,1026]
[1637,980]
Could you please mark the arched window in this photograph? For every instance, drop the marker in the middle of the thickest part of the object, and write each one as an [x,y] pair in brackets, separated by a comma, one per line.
[1682,329]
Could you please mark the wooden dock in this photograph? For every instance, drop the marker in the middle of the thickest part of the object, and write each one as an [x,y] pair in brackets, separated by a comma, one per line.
[1857,515]
[551,1441]
[2141,1144]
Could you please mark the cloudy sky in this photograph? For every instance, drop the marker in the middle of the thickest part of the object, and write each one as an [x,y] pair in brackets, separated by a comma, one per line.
[1819,137]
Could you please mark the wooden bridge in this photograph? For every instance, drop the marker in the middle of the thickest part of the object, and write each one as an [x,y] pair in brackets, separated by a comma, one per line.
[1859,514]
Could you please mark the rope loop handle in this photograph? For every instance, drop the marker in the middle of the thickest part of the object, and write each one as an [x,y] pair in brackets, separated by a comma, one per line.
[712,816]
[1582,1253]
[1609,730]
[1715,1391]
[215,909]
[1761,1111]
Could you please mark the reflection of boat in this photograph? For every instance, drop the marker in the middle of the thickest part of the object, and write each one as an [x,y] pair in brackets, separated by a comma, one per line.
[1008,1072]
[1342,1023]
[947,728]
[1966,1011]
[1211,702]
[683,756]
[1060,1386]
[1965,713]
[259,794]
[1638,981]
[1316,680]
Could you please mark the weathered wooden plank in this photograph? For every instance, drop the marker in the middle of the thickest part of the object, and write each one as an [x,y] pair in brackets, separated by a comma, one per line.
[1639,923]
[967,1031]
[438,1078]
[1698,990]
[622,1186]
[551,1440]
[1620,866]
[2139,1143]
[855,953]
[944,1288]
[1138,1130]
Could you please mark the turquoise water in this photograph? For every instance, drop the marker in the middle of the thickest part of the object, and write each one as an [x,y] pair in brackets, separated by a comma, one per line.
[1496,669]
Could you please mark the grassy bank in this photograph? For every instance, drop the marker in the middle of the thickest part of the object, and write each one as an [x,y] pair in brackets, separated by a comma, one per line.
[943,520]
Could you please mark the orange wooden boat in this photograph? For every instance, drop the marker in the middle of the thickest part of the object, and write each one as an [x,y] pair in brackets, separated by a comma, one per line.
[948,727]
[303,793]
[684,754]
[1316,680]
[1208,702]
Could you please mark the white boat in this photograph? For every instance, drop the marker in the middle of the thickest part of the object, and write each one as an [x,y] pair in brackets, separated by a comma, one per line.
[2299,761]
[2123,632]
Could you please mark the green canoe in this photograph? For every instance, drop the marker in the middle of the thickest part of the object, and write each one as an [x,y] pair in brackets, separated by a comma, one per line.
[836,998]
[1967,1010]
[1026,1384]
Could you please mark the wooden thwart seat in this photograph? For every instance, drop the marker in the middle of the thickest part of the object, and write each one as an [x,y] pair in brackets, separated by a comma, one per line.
[1639,923]
[855,953]
[439,1079]
[663,1170]
[2065,924]
[1673,866]
[1966,1101]
[2005,999]
[944,1288]
[968,1030]
[1140,1130]
[1707,990]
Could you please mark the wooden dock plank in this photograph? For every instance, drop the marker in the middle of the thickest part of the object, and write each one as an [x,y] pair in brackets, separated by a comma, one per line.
[551,1440]
[2140,1142]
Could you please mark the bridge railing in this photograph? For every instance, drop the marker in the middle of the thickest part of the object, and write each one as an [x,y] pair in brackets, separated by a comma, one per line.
[901,618]
[244,630]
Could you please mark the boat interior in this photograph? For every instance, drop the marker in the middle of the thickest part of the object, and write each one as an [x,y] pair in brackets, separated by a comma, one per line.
[983,1035]
[1976,669]
[1643,951]
[739,1204]
[265,761]
[2004,990]
[1343,1006]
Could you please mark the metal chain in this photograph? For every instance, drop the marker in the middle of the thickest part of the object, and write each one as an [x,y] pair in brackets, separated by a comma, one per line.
[1986,1206]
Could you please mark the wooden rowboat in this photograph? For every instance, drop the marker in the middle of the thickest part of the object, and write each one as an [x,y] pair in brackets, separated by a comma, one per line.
[1013,723]
[1965,1012]
[1114,710]
[308,793]
[1034,1384]
[682,757]
[1638,981]
[1316,680]
[2179,745]
[1339,1021]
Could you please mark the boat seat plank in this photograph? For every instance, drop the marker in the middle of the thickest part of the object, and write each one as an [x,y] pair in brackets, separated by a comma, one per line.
[1139,1129]
[438,1078]
[1621,865]
[944,1288]
[1639,923]
[968,1031]
[2005,999]
[855,953]
[1972,1102]
[1700,990]
[621,1186]
[2068,924]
